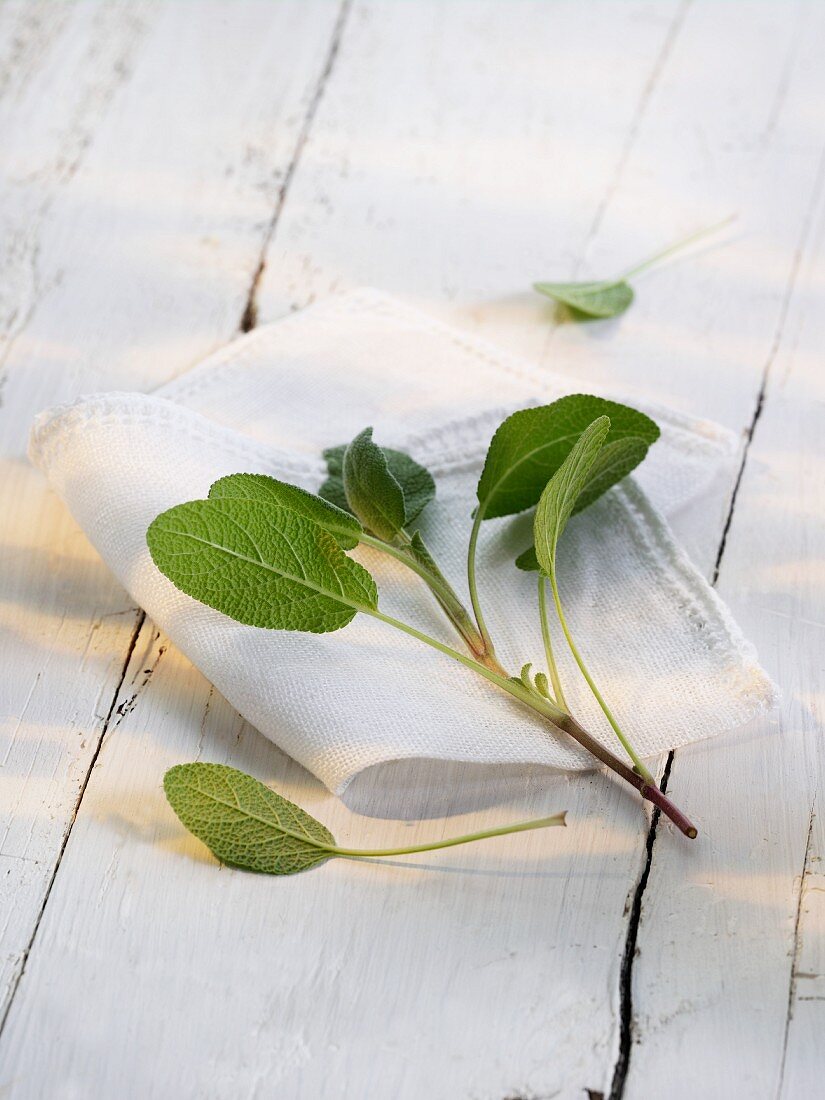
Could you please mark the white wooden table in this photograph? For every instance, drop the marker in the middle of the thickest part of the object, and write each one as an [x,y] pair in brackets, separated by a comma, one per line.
[173,173]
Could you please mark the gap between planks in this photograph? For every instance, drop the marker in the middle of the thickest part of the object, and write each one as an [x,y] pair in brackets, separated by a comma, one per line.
[795,951]
[130,649]
[246,323]
[622,1064]
[249,317]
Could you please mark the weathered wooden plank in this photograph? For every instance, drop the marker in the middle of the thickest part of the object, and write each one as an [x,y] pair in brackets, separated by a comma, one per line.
[731,938]
[481,167]
[143,152]
[802,1065]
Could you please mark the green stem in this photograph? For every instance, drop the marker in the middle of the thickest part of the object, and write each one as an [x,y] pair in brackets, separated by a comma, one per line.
[558,719]
[402,556]
[503,830]
[555,679]
[680,244]
[471,576]
[450,603]
[499,678]
[444,593]
[631,752]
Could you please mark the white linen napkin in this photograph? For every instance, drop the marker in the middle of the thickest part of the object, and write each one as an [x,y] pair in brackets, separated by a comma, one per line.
[659,642]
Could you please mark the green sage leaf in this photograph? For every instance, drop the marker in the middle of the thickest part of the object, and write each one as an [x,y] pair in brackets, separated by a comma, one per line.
[528,561]
[530,445]
[610,297]
[417,485]
[244,823]
[615,461]
[260,564]
[562,491]
[373,494]
[597,300]
[268,490]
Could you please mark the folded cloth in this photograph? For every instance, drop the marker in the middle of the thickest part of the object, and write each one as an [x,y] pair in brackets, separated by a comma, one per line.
[657,639]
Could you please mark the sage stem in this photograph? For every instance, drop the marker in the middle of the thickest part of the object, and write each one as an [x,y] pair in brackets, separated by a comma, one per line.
[559,720]
[631,752]
[502,830]
[555,679]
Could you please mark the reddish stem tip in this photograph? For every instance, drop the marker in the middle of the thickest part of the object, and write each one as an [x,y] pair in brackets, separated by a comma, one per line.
[658,798]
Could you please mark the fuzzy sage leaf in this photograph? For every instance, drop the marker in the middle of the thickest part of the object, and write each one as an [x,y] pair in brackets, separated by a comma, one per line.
[416,482]
[268,490]
[243,822]
[597,300]
[615,461]
[248,825]
[527,450]
[530,445]
[559,498]
[601,299]
[261,564]
[373,494]
[555,508]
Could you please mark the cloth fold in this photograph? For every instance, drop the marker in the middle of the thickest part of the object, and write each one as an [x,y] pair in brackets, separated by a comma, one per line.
[659,642]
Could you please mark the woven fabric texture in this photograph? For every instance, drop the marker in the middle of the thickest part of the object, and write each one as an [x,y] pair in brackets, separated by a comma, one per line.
[660,643]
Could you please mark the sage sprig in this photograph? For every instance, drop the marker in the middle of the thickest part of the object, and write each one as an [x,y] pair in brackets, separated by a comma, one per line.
[270,554]
[246,824]
[604,298]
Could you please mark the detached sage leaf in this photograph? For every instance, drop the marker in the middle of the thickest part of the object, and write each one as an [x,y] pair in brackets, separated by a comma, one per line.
[243,822]
[268,490]
[598,300]
[260,564]
[531,445]
[372,492]
[248,825]
[416,481]
[610,297]
[562,491]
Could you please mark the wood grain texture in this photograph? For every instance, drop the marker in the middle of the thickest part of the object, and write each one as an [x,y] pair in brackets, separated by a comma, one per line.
[747,904]
[143,155]
[458,152]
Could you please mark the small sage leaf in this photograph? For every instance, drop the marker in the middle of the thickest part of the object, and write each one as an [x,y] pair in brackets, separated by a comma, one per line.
[333,488]
[596,300]
[244,823]
[562,491]
[260,564]
[268,490]
[422,555]
[334,458]
[542,684]
[373,494]
[530,445]
[614,462]
[527,560]
[610,297]
[248,825]
[416,481]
